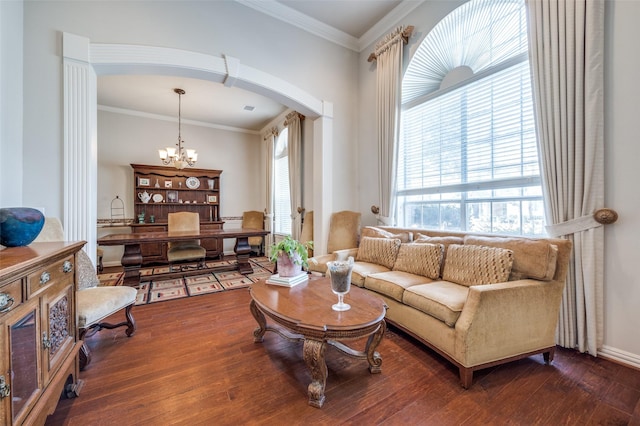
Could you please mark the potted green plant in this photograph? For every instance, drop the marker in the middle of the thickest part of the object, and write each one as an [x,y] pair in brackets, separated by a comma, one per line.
[291,256]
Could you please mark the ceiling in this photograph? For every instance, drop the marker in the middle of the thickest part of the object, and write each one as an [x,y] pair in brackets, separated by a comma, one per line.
[219,106]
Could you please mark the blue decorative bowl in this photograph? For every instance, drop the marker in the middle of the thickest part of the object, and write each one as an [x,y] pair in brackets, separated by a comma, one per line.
[19,226]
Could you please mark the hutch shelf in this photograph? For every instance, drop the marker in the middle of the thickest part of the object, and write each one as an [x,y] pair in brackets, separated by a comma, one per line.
[160,190]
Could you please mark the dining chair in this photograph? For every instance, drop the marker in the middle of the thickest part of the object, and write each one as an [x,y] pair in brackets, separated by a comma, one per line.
[254,220]
[187,250]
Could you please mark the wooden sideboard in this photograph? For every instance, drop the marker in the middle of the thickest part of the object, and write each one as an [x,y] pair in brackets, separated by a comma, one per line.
[38,337]
[174,190]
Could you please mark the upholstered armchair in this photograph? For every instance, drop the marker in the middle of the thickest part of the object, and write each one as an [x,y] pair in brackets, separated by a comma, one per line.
[344,233]
[94,303]
[306,235]
[188,250]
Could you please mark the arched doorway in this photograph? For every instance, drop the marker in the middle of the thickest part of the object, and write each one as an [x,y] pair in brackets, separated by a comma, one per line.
[83,61]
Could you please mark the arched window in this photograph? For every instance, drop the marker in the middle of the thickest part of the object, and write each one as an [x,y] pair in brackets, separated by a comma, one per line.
[467,155]
[281,193]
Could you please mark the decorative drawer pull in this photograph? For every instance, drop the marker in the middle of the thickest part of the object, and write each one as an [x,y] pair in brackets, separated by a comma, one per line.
[44,277]
[46,343]
[67,266]
[5,390]
[6,301]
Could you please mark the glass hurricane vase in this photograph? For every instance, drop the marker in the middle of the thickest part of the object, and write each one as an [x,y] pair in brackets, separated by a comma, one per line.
[340,273]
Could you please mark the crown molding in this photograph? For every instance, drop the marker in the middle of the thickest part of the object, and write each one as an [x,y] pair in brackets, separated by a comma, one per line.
[174,119]
[389,21]
[291,16]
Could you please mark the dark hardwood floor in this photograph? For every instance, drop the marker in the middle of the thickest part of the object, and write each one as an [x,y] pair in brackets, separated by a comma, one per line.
[193,362]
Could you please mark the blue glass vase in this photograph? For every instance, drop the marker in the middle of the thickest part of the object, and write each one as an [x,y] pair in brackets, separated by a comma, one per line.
[19,226]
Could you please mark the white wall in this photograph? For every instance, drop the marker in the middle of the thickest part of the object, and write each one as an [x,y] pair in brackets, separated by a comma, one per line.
[318,67]
[127,139]
[622,282]
[11,16]
[622,152]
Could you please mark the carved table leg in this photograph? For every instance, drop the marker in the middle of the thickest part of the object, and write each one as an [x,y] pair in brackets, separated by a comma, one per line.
[374,358]
[258,333]
[243,252]
[313,352]
[131,262]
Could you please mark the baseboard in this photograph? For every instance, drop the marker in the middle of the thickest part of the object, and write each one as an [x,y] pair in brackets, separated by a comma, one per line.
[620,356]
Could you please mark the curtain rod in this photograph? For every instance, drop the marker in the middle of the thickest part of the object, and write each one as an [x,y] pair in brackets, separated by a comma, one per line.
[405,37]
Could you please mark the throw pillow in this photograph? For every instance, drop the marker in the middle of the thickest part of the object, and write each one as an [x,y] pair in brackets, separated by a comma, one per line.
[474,265]
[420,259]
[381,251]
[374,232]
[87,277]
[446,241]
[532,258]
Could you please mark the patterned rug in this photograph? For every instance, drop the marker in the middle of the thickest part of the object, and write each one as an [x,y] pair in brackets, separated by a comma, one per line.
[151,291]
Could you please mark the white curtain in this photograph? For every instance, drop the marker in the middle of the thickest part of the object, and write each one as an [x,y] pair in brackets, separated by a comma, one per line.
[388,55]
[270,140]
[566,52]
[294,142]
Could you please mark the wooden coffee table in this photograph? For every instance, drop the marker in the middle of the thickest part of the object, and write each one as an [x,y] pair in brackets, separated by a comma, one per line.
[303,312]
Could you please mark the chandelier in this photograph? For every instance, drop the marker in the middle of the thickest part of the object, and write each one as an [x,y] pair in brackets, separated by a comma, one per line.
[181,157]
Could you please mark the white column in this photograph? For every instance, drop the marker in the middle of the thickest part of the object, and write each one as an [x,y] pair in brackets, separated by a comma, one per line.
[80,143]
[322,177]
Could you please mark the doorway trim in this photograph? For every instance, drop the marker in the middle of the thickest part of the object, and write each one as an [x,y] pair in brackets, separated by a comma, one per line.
[83,61]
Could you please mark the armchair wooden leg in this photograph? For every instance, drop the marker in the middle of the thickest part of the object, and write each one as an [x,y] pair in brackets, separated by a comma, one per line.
[85,352]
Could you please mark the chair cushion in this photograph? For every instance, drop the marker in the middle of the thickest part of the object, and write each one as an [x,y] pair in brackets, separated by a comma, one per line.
[97,303]
[382,251]
[393,283]
[474,265]
[186,252]
[440,299]
[87,277]
[420,259]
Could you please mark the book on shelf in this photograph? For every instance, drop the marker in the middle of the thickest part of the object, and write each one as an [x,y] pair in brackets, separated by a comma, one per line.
[276,279]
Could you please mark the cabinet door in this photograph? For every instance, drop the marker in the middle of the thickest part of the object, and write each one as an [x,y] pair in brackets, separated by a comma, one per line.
[152,252]
[58,326]
[213,246]
[21,365]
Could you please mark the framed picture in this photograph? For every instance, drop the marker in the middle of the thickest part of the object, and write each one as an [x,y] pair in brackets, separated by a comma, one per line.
[172,196]
[167,184]
[212,199]
[143,181]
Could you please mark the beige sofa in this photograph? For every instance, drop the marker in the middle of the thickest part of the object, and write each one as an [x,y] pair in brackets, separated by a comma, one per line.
[478,300]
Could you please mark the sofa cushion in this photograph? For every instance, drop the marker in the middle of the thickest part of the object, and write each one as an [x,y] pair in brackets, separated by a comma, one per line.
[374,232]
[393,283]
[474,265]
[420,259]
[382,251]
[445,241]
[532,258]
[443,300]
[362,270]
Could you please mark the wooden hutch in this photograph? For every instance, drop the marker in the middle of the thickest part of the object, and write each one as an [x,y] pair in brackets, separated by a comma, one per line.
[160,190]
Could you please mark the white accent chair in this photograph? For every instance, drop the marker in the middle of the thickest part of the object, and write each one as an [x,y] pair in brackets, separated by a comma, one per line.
[94,303]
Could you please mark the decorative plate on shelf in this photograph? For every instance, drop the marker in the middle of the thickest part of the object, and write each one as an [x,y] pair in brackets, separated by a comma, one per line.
[157,198]
[193,182]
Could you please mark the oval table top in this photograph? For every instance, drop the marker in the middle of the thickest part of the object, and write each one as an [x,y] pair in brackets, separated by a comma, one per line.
[308,306]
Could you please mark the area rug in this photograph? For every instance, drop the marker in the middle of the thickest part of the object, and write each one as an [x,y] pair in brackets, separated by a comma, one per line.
[152,291]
